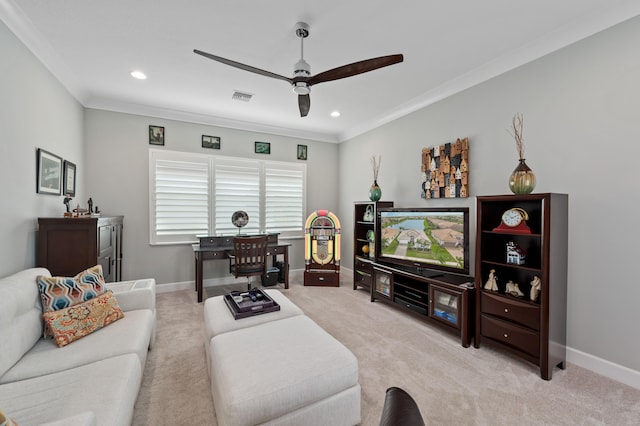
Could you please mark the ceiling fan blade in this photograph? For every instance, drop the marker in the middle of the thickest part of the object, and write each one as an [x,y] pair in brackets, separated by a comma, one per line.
[355,68]
[242,66]
[304,102]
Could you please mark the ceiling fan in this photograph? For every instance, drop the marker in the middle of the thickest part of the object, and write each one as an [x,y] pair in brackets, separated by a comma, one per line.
[302,79]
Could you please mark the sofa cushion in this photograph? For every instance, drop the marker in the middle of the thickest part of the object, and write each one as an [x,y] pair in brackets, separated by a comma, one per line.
[263,372]
[20,315]
[131,334]
[64,292]
[108,388]
[75,322]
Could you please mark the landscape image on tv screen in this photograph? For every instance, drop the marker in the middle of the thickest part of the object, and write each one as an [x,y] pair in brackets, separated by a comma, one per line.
[435,238]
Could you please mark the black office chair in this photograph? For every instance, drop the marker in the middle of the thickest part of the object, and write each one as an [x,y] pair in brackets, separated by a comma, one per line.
[249,257]
[400,409]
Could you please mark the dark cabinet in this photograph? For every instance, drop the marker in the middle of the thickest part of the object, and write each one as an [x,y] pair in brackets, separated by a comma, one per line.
[67,246]
[447,300]
[365,216]
[522,242]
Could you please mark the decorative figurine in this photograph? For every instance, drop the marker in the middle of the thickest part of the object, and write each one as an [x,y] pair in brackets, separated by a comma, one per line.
[66,202]
[513,289]
[535,288]
[515,254]
[90,203]
[80,211]
[492,282]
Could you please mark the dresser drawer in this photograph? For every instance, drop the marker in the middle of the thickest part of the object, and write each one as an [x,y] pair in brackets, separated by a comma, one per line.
[513,310]
[512,335]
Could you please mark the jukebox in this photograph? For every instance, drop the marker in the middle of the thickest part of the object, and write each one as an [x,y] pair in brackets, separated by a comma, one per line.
[322,249]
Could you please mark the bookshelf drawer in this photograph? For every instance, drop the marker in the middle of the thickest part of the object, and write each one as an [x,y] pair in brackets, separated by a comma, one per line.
[512,335]
[524,313]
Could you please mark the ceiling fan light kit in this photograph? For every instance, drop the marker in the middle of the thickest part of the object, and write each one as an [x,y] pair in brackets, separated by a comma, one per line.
[302,79]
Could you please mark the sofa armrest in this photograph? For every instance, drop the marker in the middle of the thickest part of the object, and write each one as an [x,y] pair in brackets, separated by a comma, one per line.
[132,295]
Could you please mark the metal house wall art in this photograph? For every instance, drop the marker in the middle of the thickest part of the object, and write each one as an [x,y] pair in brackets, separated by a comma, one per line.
[445,170]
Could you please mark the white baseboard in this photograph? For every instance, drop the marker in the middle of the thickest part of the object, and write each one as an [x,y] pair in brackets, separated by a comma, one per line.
[212,282]
[606,368]
[191,285]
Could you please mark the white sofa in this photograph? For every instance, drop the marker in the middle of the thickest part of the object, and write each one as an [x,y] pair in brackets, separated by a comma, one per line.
[93,380]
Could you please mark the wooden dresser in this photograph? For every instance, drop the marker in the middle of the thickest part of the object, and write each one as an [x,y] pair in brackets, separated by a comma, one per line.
[67,246]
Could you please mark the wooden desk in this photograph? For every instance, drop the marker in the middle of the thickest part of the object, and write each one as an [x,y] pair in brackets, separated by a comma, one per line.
[221,247]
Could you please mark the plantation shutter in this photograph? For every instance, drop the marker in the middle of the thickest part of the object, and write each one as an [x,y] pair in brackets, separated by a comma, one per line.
[284,198]
[181,198]
[193,195]
[237,187]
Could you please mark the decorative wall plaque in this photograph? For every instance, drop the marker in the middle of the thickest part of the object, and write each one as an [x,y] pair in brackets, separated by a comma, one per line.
[445,170]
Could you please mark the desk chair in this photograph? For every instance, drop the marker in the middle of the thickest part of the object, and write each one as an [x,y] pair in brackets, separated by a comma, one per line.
[249,257]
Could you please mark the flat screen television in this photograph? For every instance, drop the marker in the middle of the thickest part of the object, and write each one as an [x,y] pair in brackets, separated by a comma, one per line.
[425,238]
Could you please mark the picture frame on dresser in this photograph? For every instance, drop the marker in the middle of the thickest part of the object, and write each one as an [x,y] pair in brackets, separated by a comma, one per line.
[49,173]
[69,178]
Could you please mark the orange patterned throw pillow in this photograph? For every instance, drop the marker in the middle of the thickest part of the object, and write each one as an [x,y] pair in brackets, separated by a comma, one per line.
[69,324]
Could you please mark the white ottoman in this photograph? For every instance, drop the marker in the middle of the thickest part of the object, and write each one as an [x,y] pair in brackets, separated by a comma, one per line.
[218,318]
[284,372]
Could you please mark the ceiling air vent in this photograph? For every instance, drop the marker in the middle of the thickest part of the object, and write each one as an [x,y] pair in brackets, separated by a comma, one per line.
[241,96]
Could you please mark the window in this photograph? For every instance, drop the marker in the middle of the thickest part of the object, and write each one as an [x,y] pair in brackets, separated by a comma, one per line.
[196,194]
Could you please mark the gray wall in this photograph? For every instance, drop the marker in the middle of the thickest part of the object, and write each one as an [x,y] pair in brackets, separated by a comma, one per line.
[118,160]
[35,112]
[581,107]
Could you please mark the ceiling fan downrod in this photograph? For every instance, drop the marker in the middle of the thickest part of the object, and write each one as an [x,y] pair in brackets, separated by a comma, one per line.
[302,68]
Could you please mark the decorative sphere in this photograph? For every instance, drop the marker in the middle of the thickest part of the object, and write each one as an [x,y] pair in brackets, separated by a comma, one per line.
[365,249]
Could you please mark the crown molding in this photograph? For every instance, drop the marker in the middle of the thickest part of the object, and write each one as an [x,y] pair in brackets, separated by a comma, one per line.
[209,120]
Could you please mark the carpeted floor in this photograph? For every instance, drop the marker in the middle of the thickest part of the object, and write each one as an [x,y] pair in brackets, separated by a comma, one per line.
[452,385]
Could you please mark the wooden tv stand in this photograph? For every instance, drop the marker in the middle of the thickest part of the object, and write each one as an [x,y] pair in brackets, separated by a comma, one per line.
[446,299]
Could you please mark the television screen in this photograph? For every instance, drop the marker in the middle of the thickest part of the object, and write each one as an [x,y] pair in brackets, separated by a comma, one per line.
[432,238]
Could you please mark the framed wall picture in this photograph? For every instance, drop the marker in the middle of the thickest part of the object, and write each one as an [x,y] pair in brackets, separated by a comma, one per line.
[156,135]
[302,152]
[49,173]
[69,179]
[212,142]
[263,148]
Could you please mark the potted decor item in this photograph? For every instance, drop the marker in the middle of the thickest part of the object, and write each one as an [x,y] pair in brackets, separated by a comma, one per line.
[522,180]
[375,192]
[368,214]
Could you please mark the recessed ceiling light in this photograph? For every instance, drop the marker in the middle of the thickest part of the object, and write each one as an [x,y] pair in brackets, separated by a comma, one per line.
[335,114]
[139,75]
